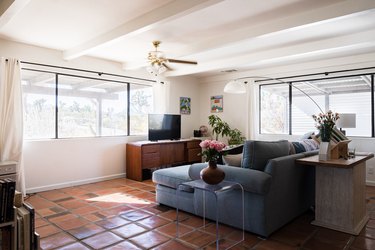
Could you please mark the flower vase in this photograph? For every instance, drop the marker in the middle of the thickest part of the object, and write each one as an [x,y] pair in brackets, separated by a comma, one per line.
[325,133]
[324,147]
[212,174]
[324,151]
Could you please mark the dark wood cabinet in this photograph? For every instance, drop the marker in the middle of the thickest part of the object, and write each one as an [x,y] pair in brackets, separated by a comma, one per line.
[144,156]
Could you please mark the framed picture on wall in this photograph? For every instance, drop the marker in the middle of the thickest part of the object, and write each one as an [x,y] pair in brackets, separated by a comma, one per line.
[185,105]
[216,103]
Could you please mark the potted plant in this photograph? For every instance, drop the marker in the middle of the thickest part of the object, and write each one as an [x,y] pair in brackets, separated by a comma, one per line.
[219,127]
[236,137]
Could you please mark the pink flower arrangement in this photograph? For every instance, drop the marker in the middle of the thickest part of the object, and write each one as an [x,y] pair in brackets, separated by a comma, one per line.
[212,149]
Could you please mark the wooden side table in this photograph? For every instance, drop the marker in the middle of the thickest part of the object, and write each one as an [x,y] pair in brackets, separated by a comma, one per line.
[340,199]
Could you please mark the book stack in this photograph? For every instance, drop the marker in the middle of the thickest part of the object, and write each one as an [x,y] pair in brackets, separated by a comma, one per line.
[27,238]
[337,136]
[339,147]
[7,190]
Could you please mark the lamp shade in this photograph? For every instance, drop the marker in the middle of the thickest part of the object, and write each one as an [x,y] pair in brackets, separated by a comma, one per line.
[235,87]
[346,121]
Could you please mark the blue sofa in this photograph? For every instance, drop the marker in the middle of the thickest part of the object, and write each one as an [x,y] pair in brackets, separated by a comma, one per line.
[277,190]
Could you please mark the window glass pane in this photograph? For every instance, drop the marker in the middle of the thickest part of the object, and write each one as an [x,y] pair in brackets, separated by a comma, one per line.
[274,108]
[39,104]
[78,105]
[141,104]
[303,107]
[352,95]
[115,109]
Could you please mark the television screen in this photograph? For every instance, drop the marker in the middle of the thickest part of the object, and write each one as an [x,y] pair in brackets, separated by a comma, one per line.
[164,127]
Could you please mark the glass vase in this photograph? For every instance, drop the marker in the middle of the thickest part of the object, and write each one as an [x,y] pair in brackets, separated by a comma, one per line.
[325,133]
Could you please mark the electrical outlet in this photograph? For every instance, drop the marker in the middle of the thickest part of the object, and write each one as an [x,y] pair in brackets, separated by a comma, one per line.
[370,170]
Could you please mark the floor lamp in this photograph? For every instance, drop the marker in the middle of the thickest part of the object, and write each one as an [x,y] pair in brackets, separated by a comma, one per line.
[238,86]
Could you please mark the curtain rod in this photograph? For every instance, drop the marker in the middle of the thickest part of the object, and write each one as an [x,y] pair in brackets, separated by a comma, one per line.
[321,73]
[88,71]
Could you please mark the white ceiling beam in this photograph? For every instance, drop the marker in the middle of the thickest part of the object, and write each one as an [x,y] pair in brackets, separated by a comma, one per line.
[285,24]
[148,21]
[9,9]
[292,53]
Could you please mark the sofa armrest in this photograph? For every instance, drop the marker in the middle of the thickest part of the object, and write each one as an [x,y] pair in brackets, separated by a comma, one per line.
[291,181]
[281,165]
[253,181]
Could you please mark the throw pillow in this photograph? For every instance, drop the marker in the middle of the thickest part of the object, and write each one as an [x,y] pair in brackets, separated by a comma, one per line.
[298,147]
[308,135]
[233,160]
[310,144]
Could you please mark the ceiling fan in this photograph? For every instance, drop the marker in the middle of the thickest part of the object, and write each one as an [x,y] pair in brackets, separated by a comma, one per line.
[158,63]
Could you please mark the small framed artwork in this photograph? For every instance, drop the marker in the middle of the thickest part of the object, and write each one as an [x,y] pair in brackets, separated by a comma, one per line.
[216,104]
[185,105]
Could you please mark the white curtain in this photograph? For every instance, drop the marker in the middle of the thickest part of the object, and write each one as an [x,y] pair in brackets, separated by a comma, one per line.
[252,119]
[11,116]
[161,97]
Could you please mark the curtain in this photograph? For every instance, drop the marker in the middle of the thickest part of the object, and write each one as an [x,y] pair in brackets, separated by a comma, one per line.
[252,119]
[161,97]
[11,116]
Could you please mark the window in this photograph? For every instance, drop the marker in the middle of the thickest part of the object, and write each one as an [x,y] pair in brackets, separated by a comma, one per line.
[303,108]
[274,109]
[39,104]
[353,95]
[141,100]
[87,107]
[344,94]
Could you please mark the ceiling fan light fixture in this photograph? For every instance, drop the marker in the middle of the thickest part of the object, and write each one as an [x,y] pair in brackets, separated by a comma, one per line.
[158,63]
[235,87]
[156,69]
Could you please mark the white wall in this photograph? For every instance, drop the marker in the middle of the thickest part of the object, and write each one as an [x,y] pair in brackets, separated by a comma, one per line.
[234,106]
[236,110]
[183,86]
[51,164]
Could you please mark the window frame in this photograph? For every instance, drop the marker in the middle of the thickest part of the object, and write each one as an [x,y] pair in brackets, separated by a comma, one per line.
[290,81]
[127,87]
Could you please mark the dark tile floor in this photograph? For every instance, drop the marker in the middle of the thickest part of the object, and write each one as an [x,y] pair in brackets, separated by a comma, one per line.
[122,214]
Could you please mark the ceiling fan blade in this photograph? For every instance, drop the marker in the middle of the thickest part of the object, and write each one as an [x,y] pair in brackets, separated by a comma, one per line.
[180,61]
[165,65]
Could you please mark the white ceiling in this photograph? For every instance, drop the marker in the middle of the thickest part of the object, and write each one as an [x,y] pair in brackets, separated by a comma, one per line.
[220,35]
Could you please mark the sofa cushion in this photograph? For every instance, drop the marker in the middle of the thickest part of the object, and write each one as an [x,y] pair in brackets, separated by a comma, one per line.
[233,160]
[257,153]
[172,177]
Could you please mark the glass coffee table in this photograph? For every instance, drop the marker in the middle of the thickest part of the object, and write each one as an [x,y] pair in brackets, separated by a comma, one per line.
[216,190]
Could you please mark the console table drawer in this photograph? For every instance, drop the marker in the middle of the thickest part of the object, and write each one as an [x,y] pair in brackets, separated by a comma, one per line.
[193,144]
[151,149]
[193,155]
[150,160]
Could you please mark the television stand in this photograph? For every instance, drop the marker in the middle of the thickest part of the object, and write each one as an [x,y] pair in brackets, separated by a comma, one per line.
[150,155]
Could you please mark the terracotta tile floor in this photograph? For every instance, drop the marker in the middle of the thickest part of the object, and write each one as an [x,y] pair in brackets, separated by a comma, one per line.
[122,214]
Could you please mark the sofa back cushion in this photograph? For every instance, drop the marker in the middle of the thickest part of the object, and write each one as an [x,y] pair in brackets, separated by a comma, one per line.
[257,153]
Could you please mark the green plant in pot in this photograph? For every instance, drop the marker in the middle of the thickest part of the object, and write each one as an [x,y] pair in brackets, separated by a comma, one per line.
[219,127]
[236,137]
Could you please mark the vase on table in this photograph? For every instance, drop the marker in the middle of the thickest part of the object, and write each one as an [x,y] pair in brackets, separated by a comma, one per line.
[325,133]
[212,174]
[324,149]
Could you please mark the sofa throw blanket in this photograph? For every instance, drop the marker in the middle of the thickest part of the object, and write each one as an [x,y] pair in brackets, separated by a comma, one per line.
[303,146]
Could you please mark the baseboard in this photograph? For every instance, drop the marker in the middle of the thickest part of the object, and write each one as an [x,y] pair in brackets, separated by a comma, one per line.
[370,183]
[73,183]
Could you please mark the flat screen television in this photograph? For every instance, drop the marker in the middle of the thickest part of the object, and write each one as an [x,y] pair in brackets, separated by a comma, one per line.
[164,127]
